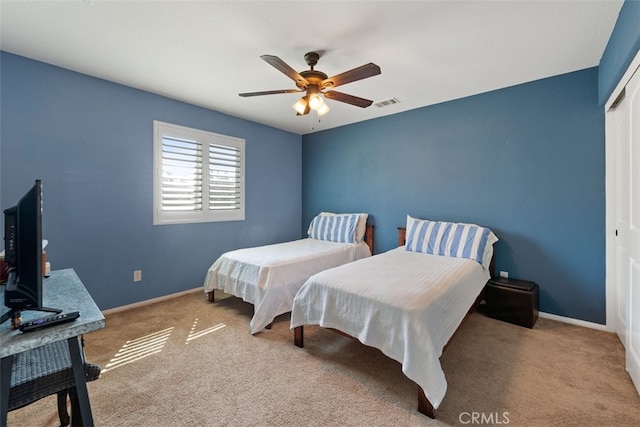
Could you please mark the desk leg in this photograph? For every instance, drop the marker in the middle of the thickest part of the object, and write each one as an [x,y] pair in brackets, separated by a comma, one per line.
[6,364]
[77,362]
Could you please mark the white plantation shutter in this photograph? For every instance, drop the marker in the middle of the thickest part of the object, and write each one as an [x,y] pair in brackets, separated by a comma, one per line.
[181,175]
[225,180]
[198,175]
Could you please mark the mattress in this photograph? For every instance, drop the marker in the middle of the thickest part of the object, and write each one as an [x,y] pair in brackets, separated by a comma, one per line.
[407,304]
[270,276]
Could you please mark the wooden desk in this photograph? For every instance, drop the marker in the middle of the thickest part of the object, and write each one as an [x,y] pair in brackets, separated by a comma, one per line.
[64,290]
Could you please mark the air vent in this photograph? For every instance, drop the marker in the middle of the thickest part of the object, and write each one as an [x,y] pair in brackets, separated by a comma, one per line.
[387,102]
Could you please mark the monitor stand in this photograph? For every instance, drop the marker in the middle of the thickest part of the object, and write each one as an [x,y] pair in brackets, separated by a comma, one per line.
[16,315]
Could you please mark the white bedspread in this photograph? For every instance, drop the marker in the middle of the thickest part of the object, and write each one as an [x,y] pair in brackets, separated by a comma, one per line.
[406,304]
[269,276]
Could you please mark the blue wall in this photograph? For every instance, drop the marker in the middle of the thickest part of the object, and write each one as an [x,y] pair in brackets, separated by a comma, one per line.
[622,47]
[526,161]
[90,141]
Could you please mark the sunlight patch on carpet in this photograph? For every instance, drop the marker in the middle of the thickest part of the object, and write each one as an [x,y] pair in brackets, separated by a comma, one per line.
[193,334]
[139,348]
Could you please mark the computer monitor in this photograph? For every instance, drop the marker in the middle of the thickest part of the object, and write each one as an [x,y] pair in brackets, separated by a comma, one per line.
[23,255]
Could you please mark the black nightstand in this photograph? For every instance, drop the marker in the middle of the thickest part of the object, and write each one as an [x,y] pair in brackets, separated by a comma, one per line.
[512,300]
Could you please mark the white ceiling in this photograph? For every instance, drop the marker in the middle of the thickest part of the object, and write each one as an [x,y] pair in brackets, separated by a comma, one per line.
[206,52]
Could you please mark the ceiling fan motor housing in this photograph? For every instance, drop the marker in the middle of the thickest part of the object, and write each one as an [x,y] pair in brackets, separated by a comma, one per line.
[313,77]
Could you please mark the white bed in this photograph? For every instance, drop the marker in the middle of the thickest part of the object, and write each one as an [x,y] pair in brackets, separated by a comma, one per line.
[407,304]
[270,276]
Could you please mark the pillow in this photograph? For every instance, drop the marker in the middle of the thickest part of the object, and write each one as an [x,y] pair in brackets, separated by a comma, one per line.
[334,228]
[361,226]
[450,239]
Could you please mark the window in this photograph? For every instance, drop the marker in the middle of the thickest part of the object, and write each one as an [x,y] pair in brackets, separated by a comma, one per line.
[198,175]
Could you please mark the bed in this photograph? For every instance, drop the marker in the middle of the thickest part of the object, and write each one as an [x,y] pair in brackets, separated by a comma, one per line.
[270,276]
[407,302]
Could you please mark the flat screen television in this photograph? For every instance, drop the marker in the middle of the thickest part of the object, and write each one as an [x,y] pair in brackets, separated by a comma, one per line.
[23,255]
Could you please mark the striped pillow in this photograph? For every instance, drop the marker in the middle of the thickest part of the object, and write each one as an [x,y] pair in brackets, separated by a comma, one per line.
[361,226]
[449,239]
[334,228]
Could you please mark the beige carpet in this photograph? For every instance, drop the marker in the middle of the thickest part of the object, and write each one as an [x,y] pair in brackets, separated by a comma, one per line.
[186,362]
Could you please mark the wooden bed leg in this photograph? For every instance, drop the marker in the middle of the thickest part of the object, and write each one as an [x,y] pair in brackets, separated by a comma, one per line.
[298,336]
[424,406]
[211,296]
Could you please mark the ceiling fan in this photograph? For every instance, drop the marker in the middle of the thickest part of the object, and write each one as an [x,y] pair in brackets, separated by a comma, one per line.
[316,83]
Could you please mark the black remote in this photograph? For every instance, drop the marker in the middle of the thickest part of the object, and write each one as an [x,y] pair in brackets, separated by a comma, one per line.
[33,325]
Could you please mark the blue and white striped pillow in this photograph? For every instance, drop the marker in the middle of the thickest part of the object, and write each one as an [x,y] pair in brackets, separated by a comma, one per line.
[334,228]
[449,239]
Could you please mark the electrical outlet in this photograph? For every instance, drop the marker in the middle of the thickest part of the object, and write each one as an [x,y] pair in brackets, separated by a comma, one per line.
[137,275]
[504,274]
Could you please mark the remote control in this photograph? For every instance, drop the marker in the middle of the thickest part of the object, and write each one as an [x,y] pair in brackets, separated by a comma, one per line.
[49,321]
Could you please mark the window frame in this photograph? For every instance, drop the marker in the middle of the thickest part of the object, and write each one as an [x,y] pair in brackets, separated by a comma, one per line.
[206,138]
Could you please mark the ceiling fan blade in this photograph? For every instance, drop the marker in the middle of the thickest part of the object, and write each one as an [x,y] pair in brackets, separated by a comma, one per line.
[362,72]
[349,99]
[283,67]
[270,92]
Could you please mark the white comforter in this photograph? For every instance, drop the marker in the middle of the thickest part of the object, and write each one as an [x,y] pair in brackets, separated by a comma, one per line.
[406,304]
[269,276]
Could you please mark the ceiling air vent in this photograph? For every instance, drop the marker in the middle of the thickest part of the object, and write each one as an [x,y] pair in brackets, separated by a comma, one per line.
[387,102]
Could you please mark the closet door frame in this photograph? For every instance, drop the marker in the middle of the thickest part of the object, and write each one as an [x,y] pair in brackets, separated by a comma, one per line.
[611,280]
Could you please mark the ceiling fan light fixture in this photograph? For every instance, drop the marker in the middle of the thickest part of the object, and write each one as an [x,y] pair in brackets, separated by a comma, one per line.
[315,101]
[300,105]
[324,109]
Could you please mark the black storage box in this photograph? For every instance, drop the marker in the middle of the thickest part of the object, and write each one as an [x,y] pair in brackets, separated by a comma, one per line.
[511,300]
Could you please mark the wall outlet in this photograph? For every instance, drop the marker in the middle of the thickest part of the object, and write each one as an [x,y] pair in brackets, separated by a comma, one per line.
[137,275]
[504,274]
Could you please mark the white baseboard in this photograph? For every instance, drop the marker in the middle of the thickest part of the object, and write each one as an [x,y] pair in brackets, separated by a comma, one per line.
[151,301]
[576,322]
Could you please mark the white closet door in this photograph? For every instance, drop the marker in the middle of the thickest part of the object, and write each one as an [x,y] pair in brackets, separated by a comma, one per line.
[633,337]
[622,176]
